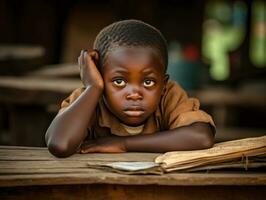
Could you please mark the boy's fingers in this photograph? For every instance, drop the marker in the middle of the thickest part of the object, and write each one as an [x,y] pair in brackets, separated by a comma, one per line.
[82,57]
[83,51]
[92,149]
[79,63]
[86,146]
[90,60]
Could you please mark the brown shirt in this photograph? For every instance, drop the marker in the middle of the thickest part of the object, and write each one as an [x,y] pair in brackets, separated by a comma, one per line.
[175,110]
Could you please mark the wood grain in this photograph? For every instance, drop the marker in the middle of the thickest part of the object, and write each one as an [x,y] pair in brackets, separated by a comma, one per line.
[133,192]
[26,166]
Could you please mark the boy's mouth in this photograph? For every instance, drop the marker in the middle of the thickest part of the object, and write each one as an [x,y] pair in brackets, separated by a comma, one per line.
[134,111]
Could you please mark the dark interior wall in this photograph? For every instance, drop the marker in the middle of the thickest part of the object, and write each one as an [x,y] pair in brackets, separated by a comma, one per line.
[178,20]
[182,20]
[44,22]
[34,22]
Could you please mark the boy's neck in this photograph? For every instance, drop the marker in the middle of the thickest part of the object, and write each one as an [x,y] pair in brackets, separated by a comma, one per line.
[133,130]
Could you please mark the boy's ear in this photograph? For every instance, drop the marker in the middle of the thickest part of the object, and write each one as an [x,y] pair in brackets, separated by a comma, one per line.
[166,78]
[96,58]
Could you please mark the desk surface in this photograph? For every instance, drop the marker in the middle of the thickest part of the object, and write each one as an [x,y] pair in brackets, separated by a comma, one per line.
[28,166]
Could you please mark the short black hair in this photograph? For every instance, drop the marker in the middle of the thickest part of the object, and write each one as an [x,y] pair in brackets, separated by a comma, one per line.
[130,33]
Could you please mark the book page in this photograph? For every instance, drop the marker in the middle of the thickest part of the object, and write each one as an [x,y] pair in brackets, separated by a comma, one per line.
[219,150]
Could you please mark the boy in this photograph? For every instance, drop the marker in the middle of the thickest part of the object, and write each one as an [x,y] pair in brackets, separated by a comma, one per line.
[127,102]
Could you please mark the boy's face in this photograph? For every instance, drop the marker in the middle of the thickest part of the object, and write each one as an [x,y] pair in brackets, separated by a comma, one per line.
[134,79]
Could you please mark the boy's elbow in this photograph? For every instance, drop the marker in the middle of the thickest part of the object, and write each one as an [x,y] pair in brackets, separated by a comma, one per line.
[207,143]
[57,147]
[205,135]
[207,140]
[59,150]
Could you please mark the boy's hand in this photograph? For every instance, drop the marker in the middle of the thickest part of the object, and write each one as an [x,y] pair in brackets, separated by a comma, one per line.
[89,73]
[111,144]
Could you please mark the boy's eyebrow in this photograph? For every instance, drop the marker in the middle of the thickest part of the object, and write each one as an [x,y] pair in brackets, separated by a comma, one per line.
[125,71]
[119,70]
[148,71]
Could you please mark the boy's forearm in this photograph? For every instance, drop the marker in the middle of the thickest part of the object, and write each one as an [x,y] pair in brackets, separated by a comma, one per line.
[69,128]
[195,136]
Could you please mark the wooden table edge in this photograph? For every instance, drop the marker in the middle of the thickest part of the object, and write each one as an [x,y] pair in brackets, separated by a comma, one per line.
[173,179]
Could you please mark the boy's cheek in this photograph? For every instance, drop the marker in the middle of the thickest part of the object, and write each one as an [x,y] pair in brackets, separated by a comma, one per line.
[113,94]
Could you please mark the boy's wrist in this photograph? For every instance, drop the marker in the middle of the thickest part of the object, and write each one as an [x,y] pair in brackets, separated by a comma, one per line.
[95,89]
[125,143]
[98,86]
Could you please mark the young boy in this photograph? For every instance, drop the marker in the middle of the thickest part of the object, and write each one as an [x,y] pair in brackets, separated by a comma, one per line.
[127,102]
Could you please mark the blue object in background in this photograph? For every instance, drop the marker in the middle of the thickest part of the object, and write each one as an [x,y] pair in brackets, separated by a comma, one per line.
[186,73]
[184,66]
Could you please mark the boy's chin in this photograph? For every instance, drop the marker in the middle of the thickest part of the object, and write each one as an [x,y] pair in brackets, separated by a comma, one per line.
[133,122]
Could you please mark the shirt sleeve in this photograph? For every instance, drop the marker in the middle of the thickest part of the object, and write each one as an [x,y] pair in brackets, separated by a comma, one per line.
[180,110]
[71,98]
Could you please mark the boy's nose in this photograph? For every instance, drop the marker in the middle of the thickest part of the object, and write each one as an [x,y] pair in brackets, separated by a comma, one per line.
[134,94]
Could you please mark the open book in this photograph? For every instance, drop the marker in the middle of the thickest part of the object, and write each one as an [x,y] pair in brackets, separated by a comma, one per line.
[244,153]
[220,153]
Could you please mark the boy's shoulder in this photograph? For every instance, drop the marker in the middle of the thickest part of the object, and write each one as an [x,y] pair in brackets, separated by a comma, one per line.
[171,83]
[173,95]
[173,88]
[71,98]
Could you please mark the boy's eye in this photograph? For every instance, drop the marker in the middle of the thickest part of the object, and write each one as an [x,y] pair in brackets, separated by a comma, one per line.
[148,83]
[119,82]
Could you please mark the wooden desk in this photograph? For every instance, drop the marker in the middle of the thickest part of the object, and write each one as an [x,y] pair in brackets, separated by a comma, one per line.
[27,100]
[32,173]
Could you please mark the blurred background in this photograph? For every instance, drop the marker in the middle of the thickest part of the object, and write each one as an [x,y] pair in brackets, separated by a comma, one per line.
[217,52]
